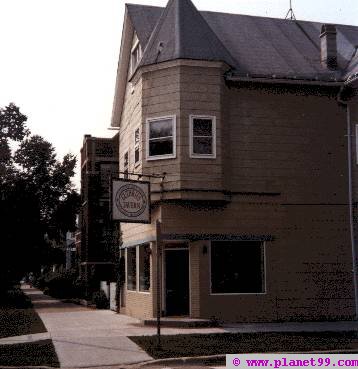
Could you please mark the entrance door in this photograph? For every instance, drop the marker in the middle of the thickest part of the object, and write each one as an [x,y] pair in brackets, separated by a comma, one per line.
[177,282]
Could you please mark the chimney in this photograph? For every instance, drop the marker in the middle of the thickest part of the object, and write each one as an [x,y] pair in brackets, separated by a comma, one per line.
[329,46]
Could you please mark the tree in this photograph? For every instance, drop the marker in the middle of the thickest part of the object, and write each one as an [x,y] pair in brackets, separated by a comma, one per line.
[12,128]
[38,203]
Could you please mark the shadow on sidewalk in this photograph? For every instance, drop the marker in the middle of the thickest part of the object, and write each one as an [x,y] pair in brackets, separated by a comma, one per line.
[43,303]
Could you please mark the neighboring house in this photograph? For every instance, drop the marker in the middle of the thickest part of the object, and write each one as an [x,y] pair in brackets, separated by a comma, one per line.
[70,250]
[98,234]
[247,117]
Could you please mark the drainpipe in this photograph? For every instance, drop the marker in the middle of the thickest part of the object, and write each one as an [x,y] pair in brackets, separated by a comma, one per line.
[350,194]
[350,200]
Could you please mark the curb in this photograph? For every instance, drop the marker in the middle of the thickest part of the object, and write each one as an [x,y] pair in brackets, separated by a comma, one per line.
[211,359]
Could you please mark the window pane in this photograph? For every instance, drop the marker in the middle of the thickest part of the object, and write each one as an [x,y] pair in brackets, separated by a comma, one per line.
[202,127]
[144,267]
[237,267]
[136,136]
[126,160]
[162,147]
[161,128]
[131,269]
[136,155]
[202,145]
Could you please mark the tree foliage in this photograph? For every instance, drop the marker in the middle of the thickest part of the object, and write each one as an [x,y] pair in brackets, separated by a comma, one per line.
[38,202]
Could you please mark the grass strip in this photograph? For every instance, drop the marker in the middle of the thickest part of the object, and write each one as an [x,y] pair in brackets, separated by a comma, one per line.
[17,317]
[41,353]
[17,322]
[235,343]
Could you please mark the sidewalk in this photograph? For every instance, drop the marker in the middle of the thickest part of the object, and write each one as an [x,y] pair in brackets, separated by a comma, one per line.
[85,337]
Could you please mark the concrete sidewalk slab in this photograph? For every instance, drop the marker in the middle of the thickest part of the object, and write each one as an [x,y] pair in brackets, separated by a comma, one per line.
[97,351]
[84,337]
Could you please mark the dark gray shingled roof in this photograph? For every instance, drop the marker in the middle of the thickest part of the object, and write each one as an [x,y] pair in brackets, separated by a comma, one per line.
[253,46]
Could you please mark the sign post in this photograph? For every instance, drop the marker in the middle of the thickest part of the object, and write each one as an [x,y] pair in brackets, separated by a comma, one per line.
[159,286]
[131,204]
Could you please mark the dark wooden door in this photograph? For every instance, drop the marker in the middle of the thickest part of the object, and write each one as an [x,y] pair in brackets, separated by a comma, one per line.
[177,282]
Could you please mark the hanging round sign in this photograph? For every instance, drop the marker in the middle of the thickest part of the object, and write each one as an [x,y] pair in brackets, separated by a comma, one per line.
[131,200]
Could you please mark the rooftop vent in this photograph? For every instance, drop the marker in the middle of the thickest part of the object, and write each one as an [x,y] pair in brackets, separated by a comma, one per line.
[329,46]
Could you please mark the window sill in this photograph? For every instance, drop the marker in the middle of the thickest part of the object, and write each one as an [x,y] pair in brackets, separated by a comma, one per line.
[143,292]
[197,156]
[162,157]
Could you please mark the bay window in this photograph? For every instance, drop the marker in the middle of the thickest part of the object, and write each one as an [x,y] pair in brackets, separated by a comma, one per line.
[202,136]
[161,138]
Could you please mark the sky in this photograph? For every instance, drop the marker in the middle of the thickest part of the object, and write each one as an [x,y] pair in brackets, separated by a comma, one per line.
[59,58]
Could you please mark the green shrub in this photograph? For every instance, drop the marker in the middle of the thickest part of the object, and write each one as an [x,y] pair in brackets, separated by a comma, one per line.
[40,282]
[64,285]
[14,297]
[100,299]
[61,285]
[80,287]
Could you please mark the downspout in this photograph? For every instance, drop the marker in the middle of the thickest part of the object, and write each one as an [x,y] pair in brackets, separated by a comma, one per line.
[350,201]
[350,194]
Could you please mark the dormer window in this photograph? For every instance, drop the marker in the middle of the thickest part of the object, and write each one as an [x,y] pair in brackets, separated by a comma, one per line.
[136,55]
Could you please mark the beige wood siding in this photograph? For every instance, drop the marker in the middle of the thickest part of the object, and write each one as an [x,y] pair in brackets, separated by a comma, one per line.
[308,262]
[288,143]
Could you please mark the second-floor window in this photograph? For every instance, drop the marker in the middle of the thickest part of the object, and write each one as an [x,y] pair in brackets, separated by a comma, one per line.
[161,138]
[126,164]
[136,146]
[202,136]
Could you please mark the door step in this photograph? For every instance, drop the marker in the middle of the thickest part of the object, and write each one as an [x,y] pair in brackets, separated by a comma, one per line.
[181,322]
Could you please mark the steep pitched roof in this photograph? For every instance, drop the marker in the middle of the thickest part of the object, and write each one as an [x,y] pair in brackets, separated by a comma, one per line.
[254,46]
[144,18]
[182,33]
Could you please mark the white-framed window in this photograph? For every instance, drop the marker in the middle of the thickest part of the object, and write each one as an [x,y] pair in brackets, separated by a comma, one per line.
[136,54]
[202,136]
[138,268]
[144,267]
[161,138]
[132,269]
[237,267]
[136,146]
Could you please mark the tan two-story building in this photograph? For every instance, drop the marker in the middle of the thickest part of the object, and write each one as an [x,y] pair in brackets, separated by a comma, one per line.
[246,120]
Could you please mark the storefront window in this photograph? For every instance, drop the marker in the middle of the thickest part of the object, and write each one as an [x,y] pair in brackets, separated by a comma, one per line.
[131,269]
[237,267]
[144,267]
